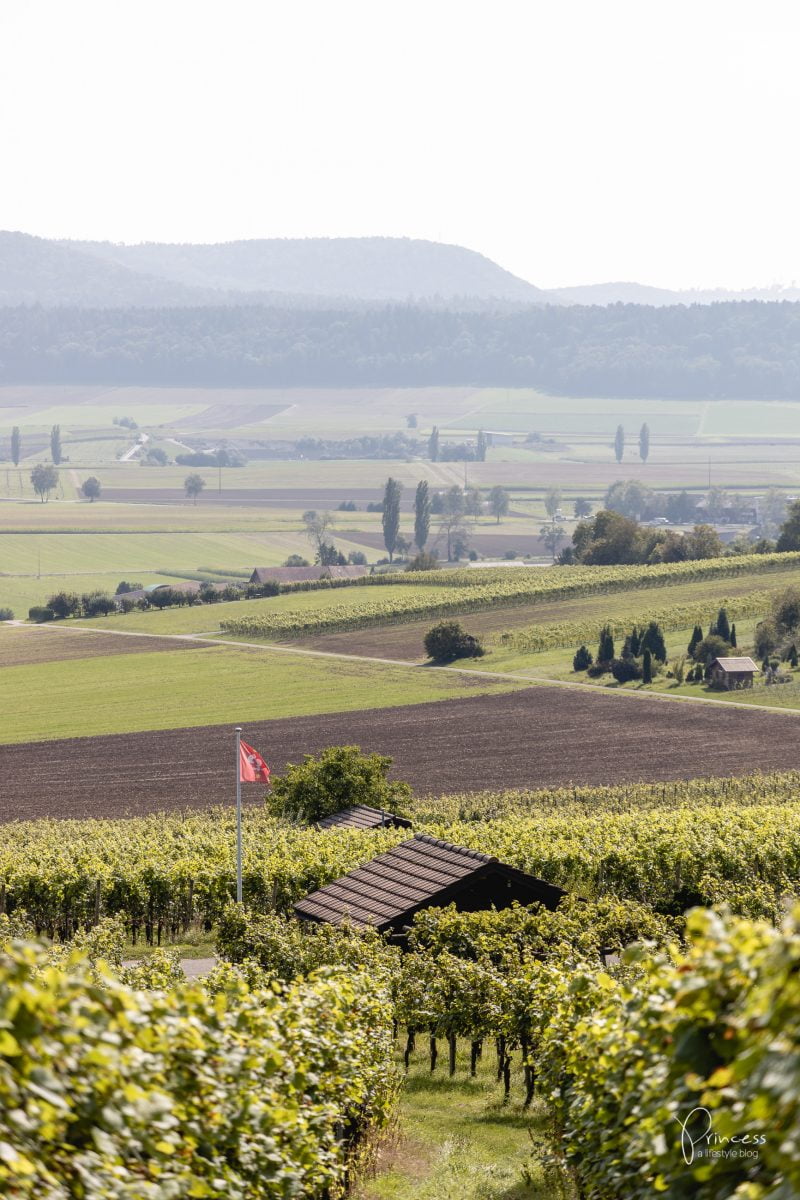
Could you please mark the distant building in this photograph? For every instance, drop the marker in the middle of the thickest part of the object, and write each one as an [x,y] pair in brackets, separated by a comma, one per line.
[362,816]
[731,673]
[424,872]
[301,574]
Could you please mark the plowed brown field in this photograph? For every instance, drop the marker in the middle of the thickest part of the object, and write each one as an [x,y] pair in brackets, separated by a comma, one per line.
[533,738]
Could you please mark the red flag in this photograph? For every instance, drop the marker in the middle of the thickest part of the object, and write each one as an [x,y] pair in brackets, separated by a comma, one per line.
[252,767]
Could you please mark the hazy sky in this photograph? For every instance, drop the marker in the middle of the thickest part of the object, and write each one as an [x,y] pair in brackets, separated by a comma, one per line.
[573,141]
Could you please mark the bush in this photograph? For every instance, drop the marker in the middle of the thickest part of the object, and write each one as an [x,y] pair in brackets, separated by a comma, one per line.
[423,562]
[626,669]
[296,560]
[340,777]
[64,604]
[710,648]
[39,614]
[127,605]
[510,554]
[448,640]
[583,659]
[6,614]
[125,586]
[348,506]
[97,604]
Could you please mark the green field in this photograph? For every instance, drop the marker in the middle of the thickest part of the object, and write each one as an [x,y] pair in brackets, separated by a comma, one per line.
[204,686]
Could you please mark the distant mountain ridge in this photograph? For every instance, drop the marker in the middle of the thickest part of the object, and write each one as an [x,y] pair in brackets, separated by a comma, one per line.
[299,273]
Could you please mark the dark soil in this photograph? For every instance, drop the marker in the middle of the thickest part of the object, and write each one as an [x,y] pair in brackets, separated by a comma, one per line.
[538,737]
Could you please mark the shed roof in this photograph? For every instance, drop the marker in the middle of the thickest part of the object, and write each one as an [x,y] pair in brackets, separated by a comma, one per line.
[735,664]
[301,574]
[421,872]
[362,816]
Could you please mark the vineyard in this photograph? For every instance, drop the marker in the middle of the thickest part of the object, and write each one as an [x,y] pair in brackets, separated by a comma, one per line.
[483,588]
[669,846]
[285,1051]
[535,638]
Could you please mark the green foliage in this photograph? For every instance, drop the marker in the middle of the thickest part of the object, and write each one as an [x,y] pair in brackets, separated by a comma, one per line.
[6,614]
[625,670]
[627,1060]
[338,778]
[423,562]
[422,514]
[694,640]
[193,486]
[582,659]
[644,442]
[653,640]
[16,446]
[217,1090]
[40,613]
[448,641]
[91,488]
[647,667]
[619,443]
[605,649]
[64,604]
[55,444]
[390,519]
[710,648]
[722,626]
[44,479]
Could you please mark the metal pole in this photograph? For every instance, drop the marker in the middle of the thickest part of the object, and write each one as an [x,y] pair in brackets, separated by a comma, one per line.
[238,815]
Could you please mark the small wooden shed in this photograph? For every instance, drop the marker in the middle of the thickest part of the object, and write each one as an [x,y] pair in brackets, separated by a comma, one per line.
[423,872]
[731,673]
[362,816]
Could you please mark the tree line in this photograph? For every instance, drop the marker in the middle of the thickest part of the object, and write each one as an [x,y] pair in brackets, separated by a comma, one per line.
[740,349]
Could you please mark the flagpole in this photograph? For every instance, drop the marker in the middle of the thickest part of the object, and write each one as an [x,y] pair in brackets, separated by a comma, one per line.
[238,815]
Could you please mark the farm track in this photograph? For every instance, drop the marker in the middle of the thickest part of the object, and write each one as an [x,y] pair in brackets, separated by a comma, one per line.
[536,737]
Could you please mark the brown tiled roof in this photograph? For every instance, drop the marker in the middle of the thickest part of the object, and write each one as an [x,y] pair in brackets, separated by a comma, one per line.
[361,816]
[302,574]
[421,872]
[735,664]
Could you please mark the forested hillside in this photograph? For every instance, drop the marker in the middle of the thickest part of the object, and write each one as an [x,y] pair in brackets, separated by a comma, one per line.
[735,350]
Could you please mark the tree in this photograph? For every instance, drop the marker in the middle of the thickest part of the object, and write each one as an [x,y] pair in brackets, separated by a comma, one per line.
[339,777]
[625,670]
[448,640]
[423,562]
[411,421]
[629,497]
[710,648]
[773,512]
[499,502]
[481,446]
[453,524]
[552,502]
[789,536]
[717,501]
[433,444]
[91,488]
[605,650]
[644,448]
[317,527]
[473,502]
[703,542]
[653,640]
[619,443]
[16,446]
[786,610]
[55,444]
[732,638]
[193,486]
[422,514]
[723,625]
[391,514]
[44,478]
[635,642]
[296,560]
[553,538]
[583,659]
[582,507]
[647,659]
[64,604]
[328,556]
[694,640]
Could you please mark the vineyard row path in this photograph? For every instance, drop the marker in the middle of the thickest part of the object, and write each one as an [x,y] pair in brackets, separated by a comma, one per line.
[208,639]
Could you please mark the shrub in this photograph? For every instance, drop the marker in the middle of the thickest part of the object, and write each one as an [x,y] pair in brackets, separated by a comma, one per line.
[296,560]
[97,604]
[340,777]
[710,648]
[423,562]
[40,614]
[6,614]
[357,558]
[449,640]
[583,659]
[124,586]
[510,554]
[64,604]
[626,669]
[127,605]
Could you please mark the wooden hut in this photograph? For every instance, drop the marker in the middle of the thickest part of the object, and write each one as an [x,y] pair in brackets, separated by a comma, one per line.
[361,816]
[423,872]
[730,673]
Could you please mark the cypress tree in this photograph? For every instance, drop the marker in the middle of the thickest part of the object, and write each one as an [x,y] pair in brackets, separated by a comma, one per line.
[422,514]
[55,444]
[636,642]
[605,651]
[695,640]
[433,444]
[583,659]
[391,514]
[647,667]
[732,638]
[16,443]
[644,442]
[480,449]
[619,443]
[723,625]
[653,641]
